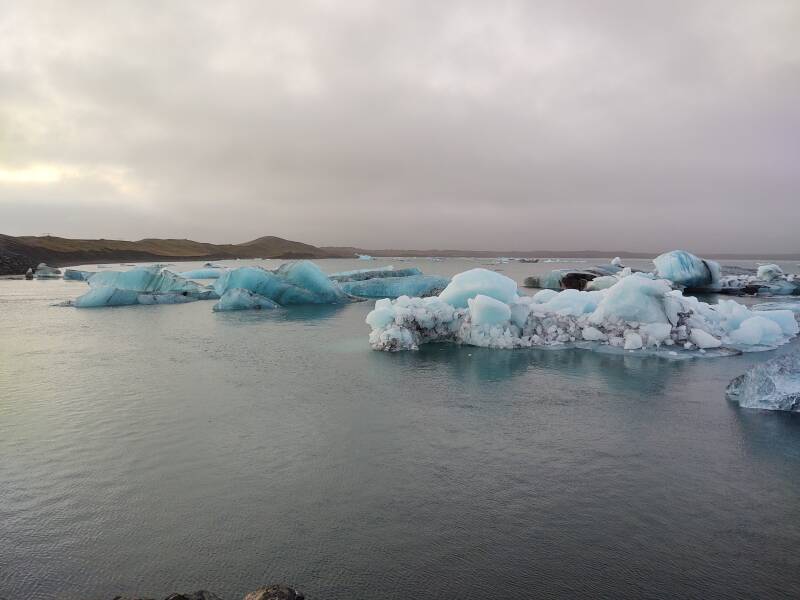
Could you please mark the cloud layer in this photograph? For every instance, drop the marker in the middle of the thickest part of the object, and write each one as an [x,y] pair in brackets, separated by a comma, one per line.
[514,125]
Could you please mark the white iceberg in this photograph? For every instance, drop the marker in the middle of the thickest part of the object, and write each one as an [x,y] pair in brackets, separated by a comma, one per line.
[300,282]
[772,385]
[769,272]
[242,299]
[394,287]
[478,281]
[483,308]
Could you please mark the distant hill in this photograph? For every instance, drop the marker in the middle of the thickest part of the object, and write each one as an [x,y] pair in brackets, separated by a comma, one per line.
[17,254]
[352,251]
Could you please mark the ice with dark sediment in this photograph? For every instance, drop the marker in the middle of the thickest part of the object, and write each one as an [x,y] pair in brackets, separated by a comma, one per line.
[394,287]
[382,273]
[242,299]
[483,308]
[772,385]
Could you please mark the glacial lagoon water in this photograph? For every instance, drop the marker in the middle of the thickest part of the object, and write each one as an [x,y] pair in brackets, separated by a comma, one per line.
[152,449]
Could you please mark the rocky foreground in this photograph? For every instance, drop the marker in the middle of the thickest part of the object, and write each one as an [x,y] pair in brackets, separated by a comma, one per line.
[273,592]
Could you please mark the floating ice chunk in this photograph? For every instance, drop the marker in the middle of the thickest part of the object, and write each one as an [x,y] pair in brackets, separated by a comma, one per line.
[757,331]
[767,306]
[106,296]
[634,298]
[165,298]
[687,270]
[76,275]
[616,261]
[784,318]
[382,273]
[394,287]
[488,311]
[772,385]
[601,283]
[144,279]
[543,296]
[45,272]
[573,302]
[365,257]
[206,273]
[769,272]
[381,315]
[592,334]
[471,283]
[293,283]
[633,341]
[703,339]
[656,334]
[242,299]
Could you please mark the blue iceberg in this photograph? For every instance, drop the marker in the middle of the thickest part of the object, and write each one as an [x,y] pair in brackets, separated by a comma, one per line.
[300,282]
[687,270]
[242,299]
[76,275]
[394,287]
[143,285]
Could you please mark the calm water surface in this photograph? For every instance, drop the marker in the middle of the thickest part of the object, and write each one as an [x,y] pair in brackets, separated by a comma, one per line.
[154,449]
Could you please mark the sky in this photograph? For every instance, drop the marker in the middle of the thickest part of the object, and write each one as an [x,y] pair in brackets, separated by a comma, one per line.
[516,125]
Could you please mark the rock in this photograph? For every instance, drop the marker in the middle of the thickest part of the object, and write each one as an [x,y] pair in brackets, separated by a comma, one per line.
[198,595]
[275,592]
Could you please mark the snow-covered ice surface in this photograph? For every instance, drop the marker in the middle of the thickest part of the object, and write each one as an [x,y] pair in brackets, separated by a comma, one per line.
[772,385]
[394,287]
[483,308]
[242,299]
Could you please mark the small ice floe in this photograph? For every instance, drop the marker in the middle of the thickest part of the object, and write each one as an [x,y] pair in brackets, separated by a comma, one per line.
[772,385]
[242,299]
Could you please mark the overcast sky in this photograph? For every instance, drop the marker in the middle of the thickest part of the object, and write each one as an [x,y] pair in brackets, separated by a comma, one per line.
[511,125]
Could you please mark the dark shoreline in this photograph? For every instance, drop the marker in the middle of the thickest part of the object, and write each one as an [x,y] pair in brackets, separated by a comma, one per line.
[18,254]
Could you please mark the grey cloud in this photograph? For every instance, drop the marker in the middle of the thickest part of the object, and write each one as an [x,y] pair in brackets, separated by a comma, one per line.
[515,125]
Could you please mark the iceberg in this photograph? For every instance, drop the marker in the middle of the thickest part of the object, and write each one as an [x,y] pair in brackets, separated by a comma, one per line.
[574,279]
[483,308]
[470,283]
[687,270]
[242,299]
[143,285]
[792,306]
[145,279]
[76,275]
[204,273]
[383,273]
[45,272]
[769,272]
[300,282]
[394,287]
[772,385]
